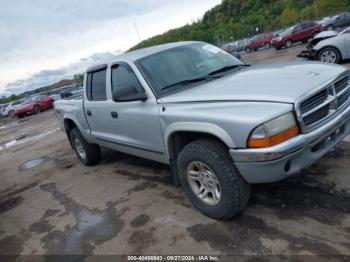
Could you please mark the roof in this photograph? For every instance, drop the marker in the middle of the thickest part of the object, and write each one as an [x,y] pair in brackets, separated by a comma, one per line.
[144,52]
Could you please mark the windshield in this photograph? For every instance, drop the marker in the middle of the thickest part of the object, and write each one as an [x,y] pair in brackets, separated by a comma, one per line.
[287,31]
[176,68]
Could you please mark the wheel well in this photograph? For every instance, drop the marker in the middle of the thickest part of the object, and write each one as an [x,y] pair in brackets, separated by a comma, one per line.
[178,140]
[68,126]
[329,46]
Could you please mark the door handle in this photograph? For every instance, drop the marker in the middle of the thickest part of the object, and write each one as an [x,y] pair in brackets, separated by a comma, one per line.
[88,112]
[114,114]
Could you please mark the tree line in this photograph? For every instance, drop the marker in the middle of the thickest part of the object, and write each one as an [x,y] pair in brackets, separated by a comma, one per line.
[238,19]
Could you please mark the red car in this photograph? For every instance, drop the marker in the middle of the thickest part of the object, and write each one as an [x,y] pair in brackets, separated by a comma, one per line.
[34,105]
[258,41]
[298,33]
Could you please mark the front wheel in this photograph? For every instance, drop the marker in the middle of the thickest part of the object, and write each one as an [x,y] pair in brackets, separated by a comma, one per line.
[288,43]
[329,55]
[210,180]
[88,154]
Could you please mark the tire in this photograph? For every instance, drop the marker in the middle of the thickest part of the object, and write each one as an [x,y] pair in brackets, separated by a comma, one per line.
[304,41]
[267,45]
[278,48]
[233,189]
[247,50]
[20,116]
[288,44]
[329,55]
[90,154]
[36,109]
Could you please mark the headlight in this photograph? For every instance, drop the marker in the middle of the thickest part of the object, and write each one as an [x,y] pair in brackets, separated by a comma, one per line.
[274,132]
[279,38]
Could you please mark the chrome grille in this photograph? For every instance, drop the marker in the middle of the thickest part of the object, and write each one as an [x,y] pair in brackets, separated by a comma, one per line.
[321,105]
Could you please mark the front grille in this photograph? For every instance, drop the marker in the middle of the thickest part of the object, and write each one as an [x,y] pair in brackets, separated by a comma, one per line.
[341,84]
[342,99]
[313,101]
[317,115]
[324,103]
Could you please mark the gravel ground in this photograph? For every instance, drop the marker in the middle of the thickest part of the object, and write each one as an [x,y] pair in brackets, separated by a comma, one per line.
[51,204]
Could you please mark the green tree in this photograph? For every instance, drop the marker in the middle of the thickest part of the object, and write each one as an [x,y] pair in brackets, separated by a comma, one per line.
[289,16]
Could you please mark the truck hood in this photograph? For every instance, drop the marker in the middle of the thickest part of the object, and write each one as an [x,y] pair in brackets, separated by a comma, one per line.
[284,83]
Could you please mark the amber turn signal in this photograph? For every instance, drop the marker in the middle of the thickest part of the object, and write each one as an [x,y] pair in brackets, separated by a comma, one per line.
[274,140]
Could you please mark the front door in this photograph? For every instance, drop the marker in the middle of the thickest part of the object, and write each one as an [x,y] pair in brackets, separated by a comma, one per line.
[133,125]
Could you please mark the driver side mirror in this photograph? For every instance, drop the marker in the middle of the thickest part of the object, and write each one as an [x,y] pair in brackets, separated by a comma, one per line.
[128,93]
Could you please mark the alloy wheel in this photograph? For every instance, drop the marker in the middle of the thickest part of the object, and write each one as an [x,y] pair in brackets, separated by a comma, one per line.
[204,183]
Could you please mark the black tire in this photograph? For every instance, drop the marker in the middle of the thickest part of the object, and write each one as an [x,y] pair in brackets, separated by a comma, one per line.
[92,151]
[277,48]
[329,49]
[304,41]
[235,191]
[247,50]
[20,116]
[267,45]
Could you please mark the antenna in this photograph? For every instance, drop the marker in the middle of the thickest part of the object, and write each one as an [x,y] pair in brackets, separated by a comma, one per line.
[137,32]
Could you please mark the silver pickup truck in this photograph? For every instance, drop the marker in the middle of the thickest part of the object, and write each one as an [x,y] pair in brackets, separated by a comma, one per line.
[220,124]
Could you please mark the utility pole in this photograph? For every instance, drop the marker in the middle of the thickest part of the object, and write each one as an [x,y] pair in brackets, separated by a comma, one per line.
[316,9]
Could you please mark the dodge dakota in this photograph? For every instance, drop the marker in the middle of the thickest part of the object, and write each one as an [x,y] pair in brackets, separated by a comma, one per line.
[220,124]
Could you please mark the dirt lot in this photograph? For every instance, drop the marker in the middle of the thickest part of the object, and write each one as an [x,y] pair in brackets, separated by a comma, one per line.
[127,205]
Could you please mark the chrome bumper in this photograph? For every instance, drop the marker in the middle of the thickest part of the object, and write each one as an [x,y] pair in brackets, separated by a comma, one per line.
[288,158]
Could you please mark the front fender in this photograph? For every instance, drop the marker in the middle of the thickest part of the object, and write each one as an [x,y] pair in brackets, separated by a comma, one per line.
[197,127]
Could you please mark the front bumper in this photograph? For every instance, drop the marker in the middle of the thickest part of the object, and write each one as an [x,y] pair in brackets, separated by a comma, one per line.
[308,54]
[289,158]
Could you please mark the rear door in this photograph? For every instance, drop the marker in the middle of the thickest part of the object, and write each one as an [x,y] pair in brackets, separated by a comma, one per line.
[95,104]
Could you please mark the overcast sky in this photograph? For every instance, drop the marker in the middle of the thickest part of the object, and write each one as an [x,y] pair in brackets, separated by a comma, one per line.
[42,41]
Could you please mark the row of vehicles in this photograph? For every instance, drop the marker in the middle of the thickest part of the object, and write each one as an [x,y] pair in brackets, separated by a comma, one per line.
[37,103]
[300,32]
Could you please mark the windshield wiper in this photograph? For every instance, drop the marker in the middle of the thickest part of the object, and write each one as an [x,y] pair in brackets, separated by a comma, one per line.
[226,68]
[189,81]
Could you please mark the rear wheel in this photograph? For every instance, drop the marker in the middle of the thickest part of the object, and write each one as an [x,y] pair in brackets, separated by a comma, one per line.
[88,154]
[210,180]
[329,55]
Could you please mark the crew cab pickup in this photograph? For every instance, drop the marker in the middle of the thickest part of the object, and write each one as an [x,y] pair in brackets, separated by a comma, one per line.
[220,124]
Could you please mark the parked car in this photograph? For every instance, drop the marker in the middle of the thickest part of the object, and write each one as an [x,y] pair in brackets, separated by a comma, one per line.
[298,33]
[329,47]
[263,40]
[9,110]
[338,21]
[213,119]
[34,105]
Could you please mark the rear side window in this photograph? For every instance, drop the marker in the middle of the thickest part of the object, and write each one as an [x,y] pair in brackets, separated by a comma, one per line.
[98,86]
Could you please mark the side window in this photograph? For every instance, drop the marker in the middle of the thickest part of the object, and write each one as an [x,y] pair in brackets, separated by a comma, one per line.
[88,86]
[123,77]
[98,86]
[298,28]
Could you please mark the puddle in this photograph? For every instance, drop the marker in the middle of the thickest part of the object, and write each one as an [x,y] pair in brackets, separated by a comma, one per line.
[93,226]
[32,163]
[23,139]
